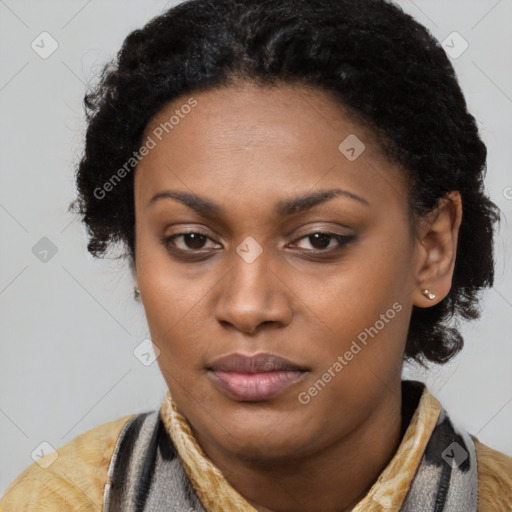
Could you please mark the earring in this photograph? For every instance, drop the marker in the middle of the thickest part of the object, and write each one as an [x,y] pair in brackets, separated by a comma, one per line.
[136,293]
[428,294]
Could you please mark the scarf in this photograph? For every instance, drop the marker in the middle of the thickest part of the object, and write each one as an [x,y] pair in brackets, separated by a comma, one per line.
[158,465]
[444,478]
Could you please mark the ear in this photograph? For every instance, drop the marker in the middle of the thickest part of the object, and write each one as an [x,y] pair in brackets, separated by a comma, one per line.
[437,249]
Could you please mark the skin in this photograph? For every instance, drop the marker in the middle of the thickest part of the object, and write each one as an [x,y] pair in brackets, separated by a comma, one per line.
[247,147]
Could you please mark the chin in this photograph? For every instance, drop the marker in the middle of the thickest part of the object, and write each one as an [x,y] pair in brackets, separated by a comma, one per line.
[259,447]
[263,436]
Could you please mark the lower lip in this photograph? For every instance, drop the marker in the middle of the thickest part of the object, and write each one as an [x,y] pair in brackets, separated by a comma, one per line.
[255,387]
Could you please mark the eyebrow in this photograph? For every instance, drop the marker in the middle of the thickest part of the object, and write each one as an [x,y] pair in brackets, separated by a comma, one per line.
[285,207]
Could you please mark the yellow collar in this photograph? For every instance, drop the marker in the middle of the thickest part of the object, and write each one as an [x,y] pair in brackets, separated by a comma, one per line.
[386,495]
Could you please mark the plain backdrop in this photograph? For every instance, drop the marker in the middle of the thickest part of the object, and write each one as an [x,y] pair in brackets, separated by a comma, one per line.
[70,325]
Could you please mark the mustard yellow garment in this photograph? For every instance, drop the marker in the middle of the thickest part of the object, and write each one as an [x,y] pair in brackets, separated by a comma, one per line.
[75,481]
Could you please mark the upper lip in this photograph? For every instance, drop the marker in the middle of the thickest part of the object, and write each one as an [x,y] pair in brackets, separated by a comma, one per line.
[258,363]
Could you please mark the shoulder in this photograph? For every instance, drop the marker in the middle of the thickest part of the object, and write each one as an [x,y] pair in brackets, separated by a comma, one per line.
[494,479]
[70,479]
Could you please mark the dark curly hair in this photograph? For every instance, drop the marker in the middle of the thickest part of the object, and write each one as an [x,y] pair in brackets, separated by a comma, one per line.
[386,69]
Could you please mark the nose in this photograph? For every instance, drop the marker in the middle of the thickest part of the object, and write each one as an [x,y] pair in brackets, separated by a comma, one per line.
[253,295]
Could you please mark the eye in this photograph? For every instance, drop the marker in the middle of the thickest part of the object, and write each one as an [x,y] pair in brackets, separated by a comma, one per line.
[321,241]
[190,241]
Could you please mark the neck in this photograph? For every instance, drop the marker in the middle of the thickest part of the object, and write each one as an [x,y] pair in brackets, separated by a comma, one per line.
[334,479]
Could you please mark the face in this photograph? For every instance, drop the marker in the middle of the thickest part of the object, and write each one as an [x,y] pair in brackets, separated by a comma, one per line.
[275,267]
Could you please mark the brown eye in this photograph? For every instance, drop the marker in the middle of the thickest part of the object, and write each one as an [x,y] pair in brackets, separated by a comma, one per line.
[194,240]
[186,242]
[321,241]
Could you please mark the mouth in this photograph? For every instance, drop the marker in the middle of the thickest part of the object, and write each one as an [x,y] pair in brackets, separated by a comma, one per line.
[254,378]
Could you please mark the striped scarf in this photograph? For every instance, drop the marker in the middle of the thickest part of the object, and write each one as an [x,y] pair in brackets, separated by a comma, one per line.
[158,465]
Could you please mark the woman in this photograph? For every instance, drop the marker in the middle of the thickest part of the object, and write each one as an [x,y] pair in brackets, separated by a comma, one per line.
[299,187]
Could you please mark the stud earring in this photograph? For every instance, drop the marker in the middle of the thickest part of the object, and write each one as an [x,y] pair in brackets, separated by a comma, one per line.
[136,292]
[428,294]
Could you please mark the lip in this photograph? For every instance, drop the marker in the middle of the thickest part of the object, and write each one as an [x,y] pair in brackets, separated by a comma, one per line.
[254,378]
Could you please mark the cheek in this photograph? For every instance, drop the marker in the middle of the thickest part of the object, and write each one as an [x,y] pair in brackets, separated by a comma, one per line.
[366,306]
[365,286]
[167,292]
[170,303]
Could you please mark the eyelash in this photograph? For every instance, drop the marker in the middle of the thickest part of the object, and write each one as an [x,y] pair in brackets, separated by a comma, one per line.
[342,240]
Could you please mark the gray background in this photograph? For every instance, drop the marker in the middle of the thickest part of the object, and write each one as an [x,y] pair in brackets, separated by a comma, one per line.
[69,325]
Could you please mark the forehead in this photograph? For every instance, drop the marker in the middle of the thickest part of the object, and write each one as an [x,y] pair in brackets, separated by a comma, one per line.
[252,142]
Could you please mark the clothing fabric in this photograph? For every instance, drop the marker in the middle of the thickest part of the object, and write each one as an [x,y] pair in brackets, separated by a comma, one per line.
[418,469]
[152,462]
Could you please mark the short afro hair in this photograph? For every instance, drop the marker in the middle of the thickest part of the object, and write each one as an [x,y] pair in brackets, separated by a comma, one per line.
[377,61]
